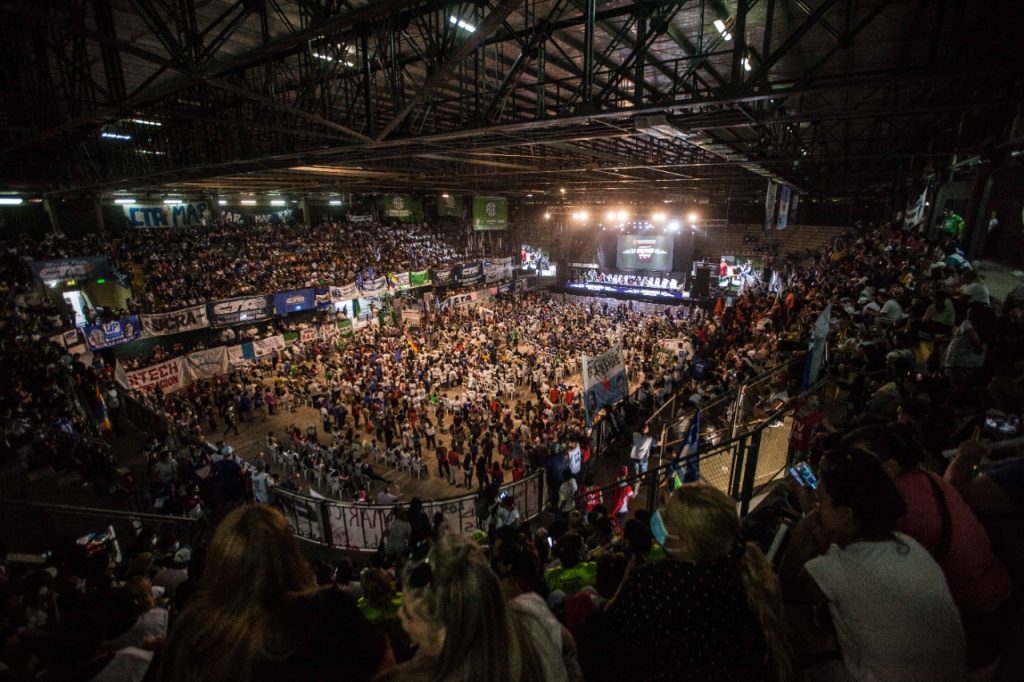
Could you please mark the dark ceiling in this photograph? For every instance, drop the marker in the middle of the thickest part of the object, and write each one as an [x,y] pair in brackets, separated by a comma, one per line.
[636,98]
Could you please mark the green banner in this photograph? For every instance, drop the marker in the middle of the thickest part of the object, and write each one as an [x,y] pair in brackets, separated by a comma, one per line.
[420,278]
[403,207]
[490,213]
[449,204]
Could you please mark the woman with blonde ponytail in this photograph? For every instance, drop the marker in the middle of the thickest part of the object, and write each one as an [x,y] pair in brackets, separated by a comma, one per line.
[711,611]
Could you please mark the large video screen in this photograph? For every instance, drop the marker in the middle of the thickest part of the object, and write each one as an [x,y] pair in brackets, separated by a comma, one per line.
[536,259]
[644,252]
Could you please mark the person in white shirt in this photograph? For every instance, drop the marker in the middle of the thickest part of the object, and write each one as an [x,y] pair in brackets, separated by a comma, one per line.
[261,484]
[505,513]
[973,290]
[894,617]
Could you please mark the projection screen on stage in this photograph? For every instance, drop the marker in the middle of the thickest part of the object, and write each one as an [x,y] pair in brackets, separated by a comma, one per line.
[644,252]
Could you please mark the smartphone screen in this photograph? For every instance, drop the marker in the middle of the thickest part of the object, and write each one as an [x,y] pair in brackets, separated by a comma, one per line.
[810,480]
[797,476]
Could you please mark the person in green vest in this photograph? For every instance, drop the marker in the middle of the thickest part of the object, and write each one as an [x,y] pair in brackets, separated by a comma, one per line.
[574,574]
[953,225]
[380,602]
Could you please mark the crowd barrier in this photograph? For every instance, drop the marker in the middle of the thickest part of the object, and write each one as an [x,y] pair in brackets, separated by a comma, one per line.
[363,527]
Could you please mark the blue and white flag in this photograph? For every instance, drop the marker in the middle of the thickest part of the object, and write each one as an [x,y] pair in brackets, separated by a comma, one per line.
[688,451]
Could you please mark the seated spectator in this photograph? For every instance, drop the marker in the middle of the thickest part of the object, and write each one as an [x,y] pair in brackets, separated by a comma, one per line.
[258,616]
[710,611]
[881,587]
[453,609]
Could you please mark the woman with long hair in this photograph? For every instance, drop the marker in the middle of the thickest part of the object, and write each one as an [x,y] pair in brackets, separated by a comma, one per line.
[454,611]
[259,616]
[711,611]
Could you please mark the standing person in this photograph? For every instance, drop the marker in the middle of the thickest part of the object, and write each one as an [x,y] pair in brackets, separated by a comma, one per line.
[467,470]
[881,587]
[806,420]
[621,495]
[567,493]
[261,483]
[397,540]
[259,616]
[453,466]
[231,419]
[442,461]
[640,453]
[481,473]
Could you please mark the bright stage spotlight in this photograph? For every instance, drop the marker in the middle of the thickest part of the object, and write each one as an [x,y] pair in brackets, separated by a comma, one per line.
[693,218]
[658,217]
[623,215]
[674,226]
[547,216]
[581,216]
[611,216]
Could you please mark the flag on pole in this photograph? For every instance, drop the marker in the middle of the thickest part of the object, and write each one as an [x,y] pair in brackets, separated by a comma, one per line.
[688,449]
[412,344]
[104,418]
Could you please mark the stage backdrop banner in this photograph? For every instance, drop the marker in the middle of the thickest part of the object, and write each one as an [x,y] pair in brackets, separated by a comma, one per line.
[604,381]
[784,197]
[170,376]
[420,278]
[90,267]
[174,322]
[490,213]
[114,333]
[167,215]
[237,310]
[467,273]
[294,301]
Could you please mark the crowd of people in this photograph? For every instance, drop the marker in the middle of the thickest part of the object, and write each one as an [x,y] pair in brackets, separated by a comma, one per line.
[906,520]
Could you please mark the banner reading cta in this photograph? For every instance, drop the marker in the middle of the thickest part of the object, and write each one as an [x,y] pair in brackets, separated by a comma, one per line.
[90,267]
[467,273]
[604,381]
[172,215]
[244,309]
[174,322]
[490,213]
[294,301]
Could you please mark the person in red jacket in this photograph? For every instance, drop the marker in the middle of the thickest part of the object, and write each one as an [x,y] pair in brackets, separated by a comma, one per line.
[590,494]
[518,470]
[621,495]
[497,475]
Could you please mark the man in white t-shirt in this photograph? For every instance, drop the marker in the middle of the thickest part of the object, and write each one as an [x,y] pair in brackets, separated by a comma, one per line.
[261,484]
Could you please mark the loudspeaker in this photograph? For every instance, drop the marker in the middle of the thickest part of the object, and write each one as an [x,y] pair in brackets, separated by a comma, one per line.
[701,284]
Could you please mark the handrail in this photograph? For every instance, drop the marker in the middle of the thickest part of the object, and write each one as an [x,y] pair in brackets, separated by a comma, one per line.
[95,511]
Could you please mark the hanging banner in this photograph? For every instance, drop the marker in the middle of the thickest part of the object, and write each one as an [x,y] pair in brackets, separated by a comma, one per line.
[398,280]
[255,217]
[114,333]
[403,207]
[915,212]
[174,322]
[168,215]
[467,273]
[66,339]
[449,205]
[420,278]
[322,298]
[769,205]
[90,267]
[784,196]
[604,381]
[236,310]
[373,287]
[236,357]
[819,335]
[169,376]
[303,514]
[346,292]
[794,204]
[442,276]
[294,301]
[207,364]
[359,218]
[490,213]
[264,347]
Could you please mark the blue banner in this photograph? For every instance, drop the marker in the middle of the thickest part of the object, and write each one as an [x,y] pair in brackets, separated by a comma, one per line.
[322,297]
[112,333]
[467,273]
[294,301]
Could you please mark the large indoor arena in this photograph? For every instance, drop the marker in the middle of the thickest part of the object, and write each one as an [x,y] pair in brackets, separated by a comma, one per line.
[511,341]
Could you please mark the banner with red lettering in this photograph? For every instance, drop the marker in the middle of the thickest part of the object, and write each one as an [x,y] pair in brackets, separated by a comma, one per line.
[169,376]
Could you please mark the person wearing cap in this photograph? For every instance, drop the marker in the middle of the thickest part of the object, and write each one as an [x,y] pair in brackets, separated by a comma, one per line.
[170,577]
